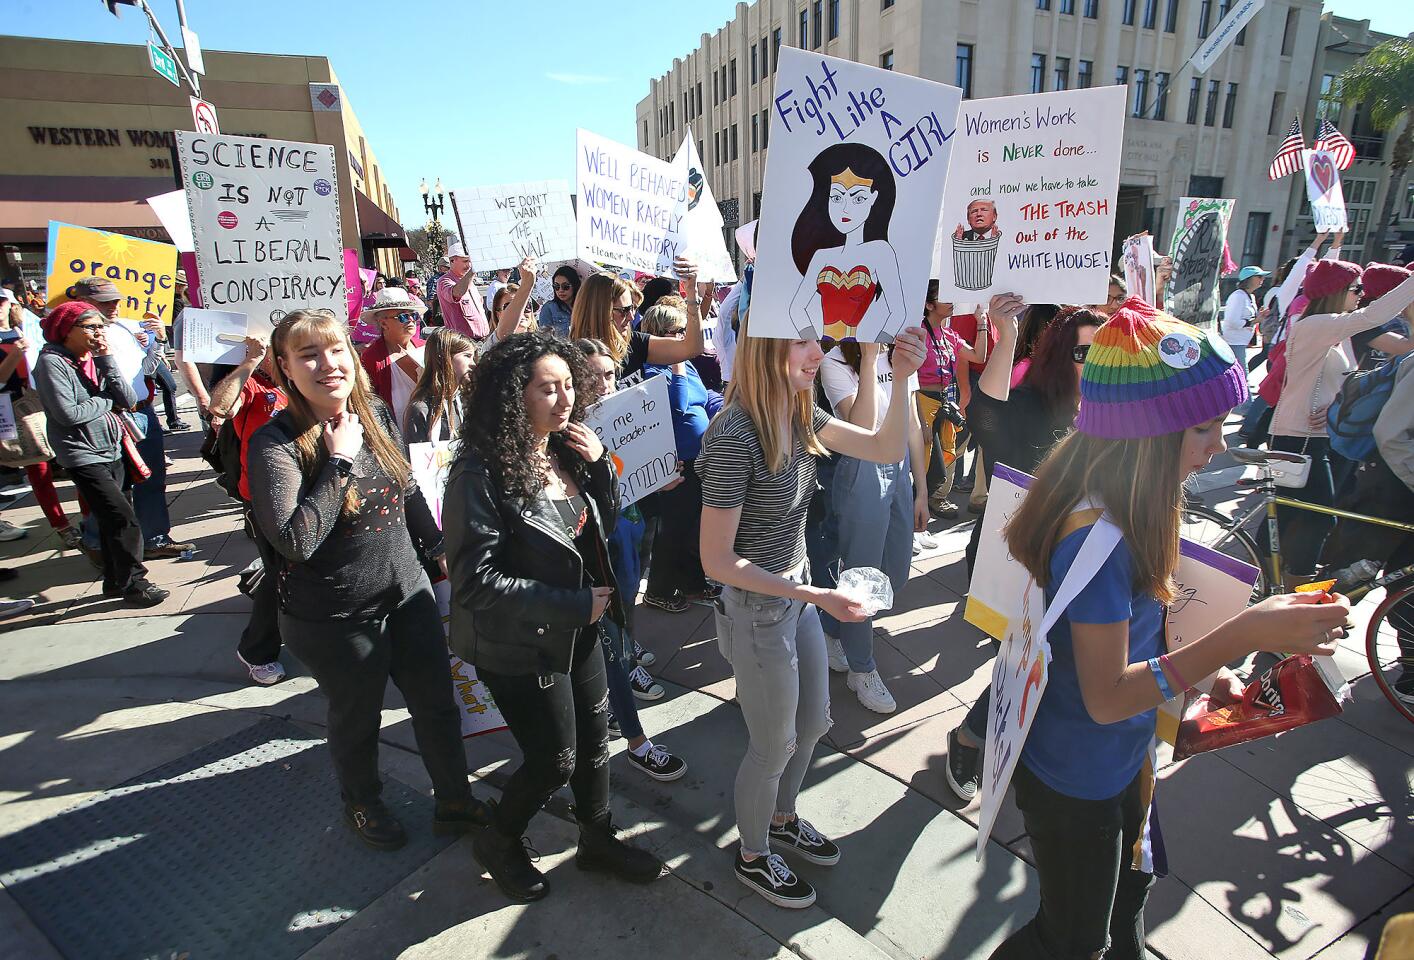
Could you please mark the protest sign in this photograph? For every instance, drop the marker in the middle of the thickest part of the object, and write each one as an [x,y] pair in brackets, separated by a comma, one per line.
[702,223]
[265,223]
[1223,34]
[1197,252]
[213,336]
[142,270]
[850,202]
[123,346]
[9,429]
[511,221]
[431,465]
[630,206]
[34,340]
[1030,201]
[171,210]
[1137,255]
[1324,191]
[746,239]
[636,426]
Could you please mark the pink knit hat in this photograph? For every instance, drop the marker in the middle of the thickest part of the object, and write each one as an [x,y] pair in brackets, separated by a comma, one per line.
[1329,276]
[1381,278]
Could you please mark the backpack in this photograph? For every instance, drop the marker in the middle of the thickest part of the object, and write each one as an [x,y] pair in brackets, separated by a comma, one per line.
[1351,418]
[222,451]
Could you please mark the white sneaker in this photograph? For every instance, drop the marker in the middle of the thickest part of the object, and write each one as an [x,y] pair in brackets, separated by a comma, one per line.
[872,693]
[13,608]
[265,674]
[835,649]
[924,541]
[8,531]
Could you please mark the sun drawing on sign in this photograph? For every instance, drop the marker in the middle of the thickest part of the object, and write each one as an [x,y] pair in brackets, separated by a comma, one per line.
[116,245]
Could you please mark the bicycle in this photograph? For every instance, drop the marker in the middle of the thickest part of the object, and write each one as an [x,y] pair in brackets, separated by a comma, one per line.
[1389,638]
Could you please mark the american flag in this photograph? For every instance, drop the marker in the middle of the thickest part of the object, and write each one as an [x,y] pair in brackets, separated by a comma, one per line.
[1289,156]
[1342,150]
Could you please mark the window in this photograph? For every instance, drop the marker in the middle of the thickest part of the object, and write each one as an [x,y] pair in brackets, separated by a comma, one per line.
[672,117]
[1289,32]
[804,36]
[886,4]
[886,59]
[1205,16]
[1254,242]
[734,153]
[1161,96]
[963,79]
[1274,119]
[755,133]
[834,19]
[1210,110]
[1127,13]
[1171,17]
[1195,87]
[1230,106]
[775,49]
[699,97]
[1200,186]
[1092,9]
[765,131]
[716,90]
[645,133]
[732,74]
[754,61]
[1067,6]
[717,147]
[1151,13]
[765,59]
[1329,104]
[817,23]
[1141,93]
[1062,74]
[1038,73]
[1121,76]
[1085,75]
[1043,4]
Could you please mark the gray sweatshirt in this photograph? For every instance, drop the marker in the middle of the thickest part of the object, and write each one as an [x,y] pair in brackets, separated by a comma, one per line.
[79,428]
[1394,430]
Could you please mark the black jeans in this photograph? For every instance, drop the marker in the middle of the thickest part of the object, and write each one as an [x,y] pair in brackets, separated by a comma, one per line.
[1092,901]
[677,560]
[167,384]
[560,723]
[119,536]
[260,643]
[352,660]
[1303,532]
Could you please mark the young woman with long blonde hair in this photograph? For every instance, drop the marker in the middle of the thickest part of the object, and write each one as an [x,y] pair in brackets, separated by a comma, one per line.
[604,310]
[334,496]
[757,467]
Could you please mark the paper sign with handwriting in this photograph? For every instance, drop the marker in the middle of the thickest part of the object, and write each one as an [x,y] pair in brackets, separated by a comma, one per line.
[850,201]
[630,208]
[1137,254]
[1324,191]
[1197,252]
[508,222]
[1030,202]
[636,426]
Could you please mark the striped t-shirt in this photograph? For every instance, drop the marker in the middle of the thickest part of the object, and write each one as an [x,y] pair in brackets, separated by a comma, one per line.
[733,471]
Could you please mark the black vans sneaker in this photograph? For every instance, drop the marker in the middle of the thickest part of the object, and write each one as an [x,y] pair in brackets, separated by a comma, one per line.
[964,768]
[802,839]
[658,763]
[773,879]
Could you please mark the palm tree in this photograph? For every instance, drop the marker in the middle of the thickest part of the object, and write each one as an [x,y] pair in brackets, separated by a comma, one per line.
[1383,80]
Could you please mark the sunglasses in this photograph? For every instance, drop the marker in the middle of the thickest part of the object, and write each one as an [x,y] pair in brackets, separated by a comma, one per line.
[563,286]
[405,317]
[676,332]
[623,311]
[1081,351]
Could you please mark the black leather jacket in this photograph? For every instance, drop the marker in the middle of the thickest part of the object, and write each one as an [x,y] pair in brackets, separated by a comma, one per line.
[519,593]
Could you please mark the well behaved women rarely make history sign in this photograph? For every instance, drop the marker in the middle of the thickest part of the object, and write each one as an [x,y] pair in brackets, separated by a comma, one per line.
[265,223]
[631,206]
[850,203]
[1030,201]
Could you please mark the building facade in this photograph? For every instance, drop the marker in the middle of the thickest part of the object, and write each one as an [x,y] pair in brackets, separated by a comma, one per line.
[1185,135]
[88,133]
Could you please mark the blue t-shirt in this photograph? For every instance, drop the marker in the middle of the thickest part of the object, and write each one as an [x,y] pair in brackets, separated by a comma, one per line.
[1070,752]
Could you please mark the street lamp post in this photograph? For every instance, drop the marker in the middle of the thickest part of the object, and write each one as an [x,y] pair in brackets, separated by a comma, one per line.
[433,207]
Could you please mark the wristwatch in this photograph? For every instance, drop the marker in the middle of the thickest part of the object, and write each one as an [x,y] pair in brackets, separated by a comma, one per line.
[342,464]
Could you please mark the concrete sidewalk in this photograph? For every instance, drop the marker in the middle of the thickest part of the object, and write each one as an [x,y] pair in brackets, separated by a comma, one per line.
[1292,848]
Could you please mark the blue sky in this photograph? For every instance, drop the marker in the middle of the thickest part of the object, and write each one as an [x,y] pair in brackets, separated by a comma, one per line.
[469,90]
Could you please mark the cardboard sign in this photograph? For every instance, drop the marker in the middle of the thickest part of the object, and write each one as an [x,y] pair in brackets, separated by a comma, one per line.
[511,221]
[636,425]
[1030,202]
[9,429]
[1137,255]
[630,206]
[431,465]
[265,223]
[142,270]
[1197,252]
[1324,191]
[702,223]
[849,209]
[213,336]
[171,210]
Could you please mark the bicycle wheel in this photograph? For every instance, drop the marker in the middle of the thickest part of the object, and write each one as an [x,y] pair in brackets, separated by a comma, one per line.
[1206,526]
[1389,646]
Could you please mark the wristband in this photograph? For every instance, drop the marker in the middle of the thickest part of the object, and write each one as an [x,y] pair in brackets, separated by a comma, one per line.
[1157,670]
[342,464]
[1168,664]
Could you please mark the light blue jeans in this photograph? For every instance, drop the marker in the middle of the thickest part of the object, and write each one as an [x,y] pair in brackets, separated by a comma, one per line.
[873,504]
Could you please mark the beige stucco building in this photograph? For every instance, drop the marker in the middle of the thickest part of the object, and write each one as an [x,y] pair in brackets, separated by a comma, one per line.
[87,133]
[1185,135]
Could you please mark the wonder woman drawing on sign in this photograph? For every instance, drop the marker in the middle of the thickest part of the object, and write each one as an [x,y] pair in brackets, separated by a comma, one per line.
[841,248]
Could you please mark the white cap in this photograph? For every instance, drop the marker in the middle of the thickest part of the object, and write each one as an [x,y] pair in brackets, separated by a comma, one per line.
[455,249]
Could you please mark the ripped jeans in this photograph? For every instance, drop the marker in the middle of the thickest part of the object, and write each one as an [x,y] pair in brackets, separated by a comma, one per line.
[561,724]
[777,651]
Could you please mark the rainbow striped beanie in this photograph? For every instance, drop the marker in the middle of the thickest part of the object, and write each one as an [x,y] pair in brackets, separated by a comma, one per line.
[1148,374]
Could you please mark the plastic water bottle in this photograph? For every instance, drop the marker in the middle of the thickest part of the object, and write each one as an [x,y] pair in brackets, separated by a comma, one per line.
[1358,573]
[867,587]
[188,554]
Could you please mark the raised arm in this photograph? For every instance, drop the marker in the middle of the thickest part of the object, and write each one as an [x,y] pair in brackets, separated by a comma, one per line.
[995,381]
[888,443]
[516,308]
[666,351]
[296,518]
[225,396]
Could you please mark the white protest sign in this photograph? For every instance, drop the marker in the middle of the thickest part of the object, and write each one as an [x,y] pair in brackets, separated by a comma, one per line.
[265,223]
[171,210]
[508,222]
[702,223]
[1137,255]
[636,425]
[630,206]
[129,355]
[34,340]
[1324,191]
[431,465]
[1030,201]
[850,202]
[213,336]
[746,239]
[9,429]
[1223,34]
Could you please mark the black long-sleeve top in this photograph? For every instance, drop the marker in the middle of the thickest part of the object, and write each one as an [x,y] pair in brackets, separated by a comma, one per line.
[358,567]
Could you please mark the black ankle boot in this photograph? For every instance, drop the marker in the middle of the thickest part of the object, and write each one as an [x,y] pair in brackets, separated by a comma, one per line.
[601,850]
[375,826]
[460,818]
[508,862]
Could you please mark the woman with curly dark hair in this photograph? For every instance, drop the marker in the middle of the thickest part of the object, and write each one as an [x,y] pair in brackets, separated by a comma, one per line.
[530,501]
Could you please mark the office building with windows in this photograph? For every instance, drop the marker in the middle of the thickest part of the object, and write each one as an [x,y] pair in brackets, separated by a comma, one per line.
[1186,135]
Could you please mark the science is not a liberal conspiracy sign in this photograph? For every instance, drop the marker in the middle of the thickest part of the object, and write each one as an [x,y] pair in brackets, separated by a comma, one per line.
[265,223]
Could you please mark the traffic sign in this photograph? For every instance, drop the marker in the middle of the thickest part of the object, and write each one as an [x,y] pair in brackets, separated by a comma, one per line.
[163,63]
[203,114]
